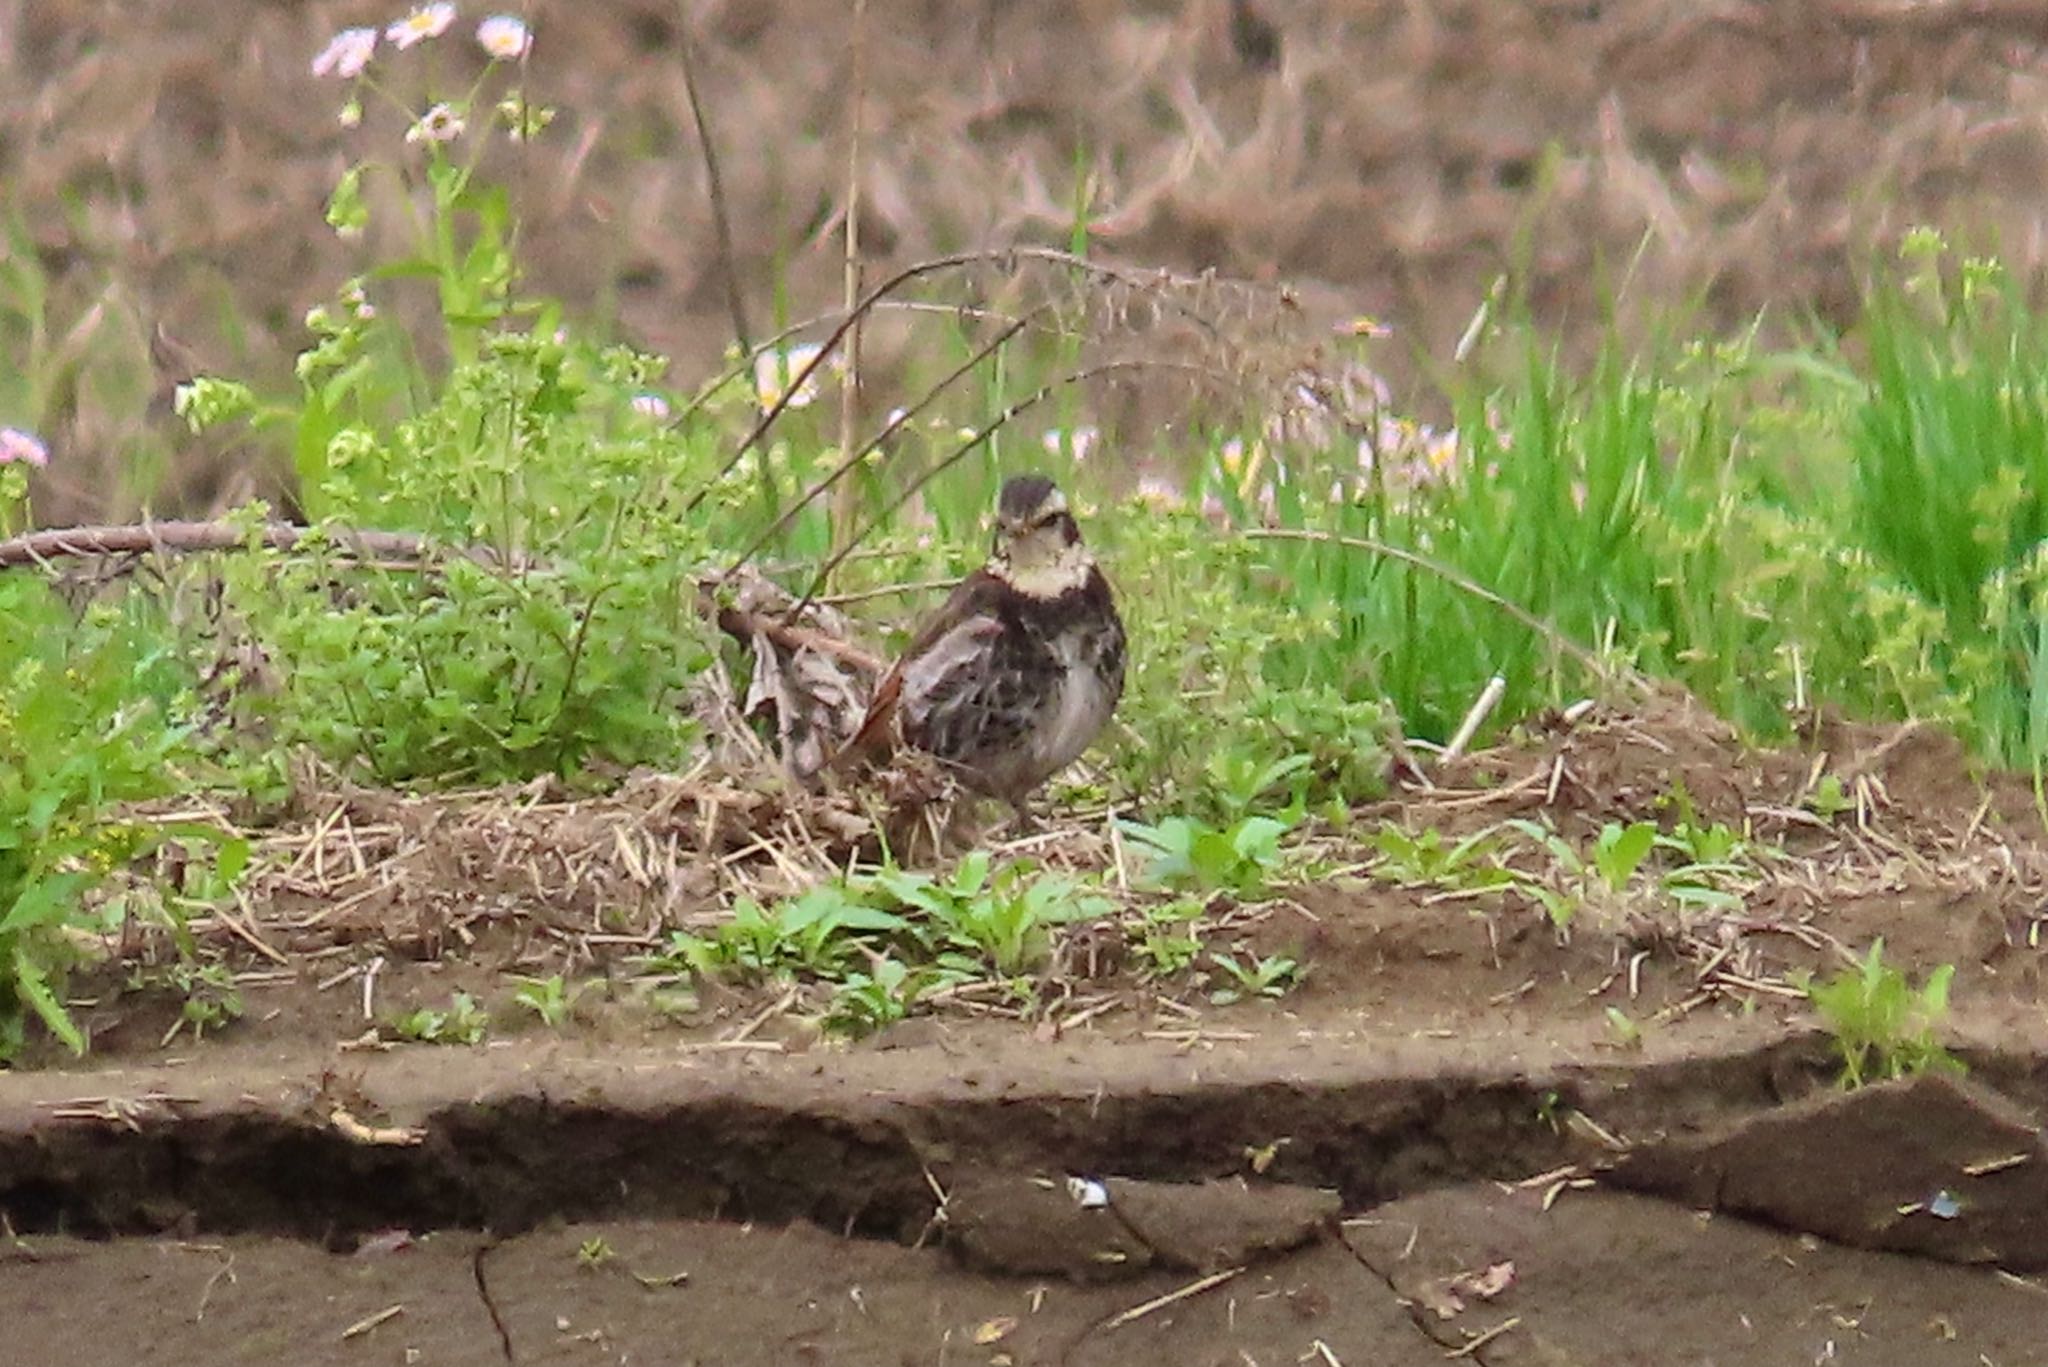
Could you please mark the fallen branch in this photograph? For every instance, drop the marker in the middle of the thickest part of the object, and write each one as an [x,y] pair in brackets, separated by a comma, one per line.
[744,625]
[186,538]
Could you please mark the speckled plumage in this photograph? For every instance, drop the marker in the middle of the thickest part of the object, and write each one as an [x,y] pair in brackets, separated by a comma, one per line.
[1022,667]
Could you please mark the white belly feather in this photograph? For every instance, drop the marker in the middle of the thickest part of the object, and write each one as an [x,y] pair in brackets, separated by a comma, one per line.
[1083,706]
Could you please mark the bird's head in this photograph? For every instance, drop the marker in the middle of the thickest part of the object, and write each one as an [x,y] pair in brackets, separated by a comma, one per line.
[1038,548]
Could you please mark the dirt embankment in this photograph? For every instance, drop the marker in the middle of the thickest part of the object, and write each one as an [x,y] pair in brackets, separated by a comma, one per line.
[1444,1141]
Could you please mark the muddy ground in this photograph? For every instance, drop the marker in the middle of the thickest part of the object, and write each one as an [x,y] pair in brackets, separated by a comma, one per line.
[1440,1144]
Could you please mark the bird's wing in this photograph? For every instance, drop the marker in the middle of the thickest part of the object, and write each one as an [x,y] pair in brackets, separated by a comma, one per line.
[945,666]
[950,641]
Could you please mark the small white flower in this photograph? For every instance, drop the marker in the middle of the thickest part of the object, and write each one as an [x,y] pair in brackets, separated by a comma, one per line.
[428,21]
[439,124]
[17,445]
[1157,493]
[356,302]
[650,406]
[1392,437]
[346,53]
[897,417]
[773,370]
[504,37]
[1081,441]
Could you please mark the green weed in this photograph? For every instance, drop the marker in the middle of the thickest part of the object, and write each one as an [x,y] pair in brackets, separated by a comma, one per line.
[865,1002]
[1627,1032]
[550,998]
[817,933]
[1883,1026]
[1004,917]
[1167,941]
[86,710]
[1827,800]
[1621,866]
[1428,860]
[211,999]
[1618,851]
[883,939]
[1272,976]
[1191,855]
[464,1022]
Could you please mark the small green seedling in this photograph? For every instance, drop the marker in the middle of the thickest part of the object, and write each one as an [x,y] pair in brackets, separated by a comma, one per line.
[1241,859]
[1427,860]
[816,932]
[548,998]
[1004,918]
[211,998]
[1237,781]
[1718,846]
[1618,851]
[464,1022]
[1271,976]
[865,1002]
[1562,853]
[594,1252]
[1561,907]
[1883,1027]
[1627,1033]
[1828,800]
[1166,939]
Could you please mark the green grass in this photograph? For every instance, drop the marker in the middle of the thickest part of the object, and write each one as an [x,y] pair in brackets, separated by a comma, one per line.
[1855,522]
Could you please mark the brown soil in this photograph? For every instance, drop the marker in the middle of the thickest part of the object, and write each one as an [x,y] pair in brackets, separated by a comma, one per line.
[888,1201]
[1598,1279]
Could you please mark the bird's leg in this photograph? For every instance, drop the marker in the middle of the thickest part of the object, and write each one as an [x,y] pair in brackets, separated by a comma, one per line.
[1022,823]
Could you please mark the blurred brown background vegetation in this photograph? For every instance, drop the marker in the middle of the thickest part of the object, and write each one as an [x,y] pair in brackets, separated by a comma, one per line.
[165,162]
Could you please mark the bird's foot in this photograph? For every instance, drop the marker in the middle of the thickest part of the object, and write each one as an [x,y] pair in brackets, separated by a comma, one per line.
[1022,822]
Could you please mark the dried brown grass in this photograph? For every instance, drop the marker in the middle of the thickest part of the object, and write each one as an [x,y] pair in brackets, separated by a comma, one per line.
[171,160]
[540,876]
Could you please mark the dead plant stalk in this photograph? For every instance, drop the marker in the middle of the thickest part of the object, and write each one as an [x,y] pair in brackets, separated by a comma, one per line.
[846,504]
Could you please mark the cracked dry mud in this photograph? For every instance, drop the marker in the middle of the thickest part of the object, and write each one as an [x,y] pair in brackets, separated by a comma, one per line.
[1598,1278]
[565,1205]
